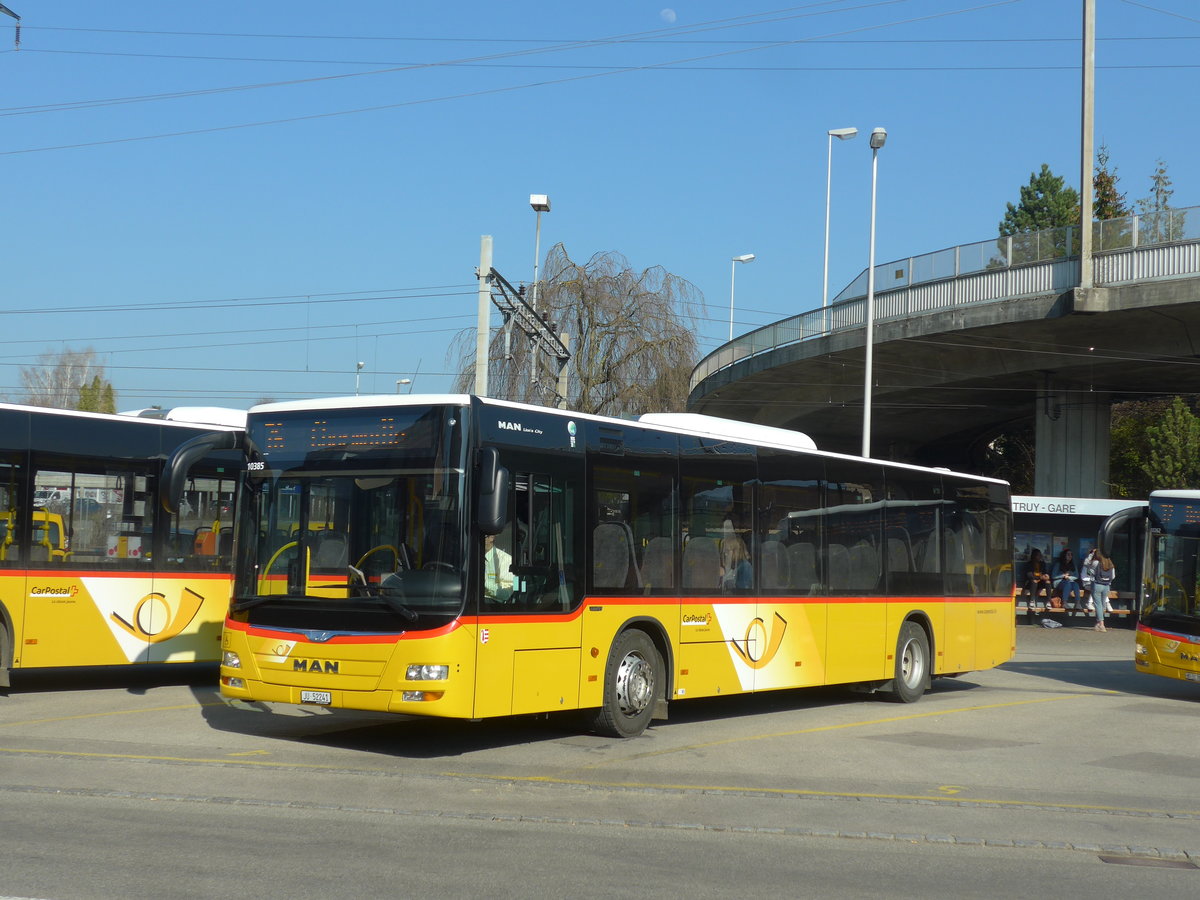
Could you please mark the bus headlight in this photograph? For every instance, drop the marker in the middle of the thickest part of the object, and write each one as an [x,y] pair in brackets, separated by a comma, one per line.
[427,673]
[1142,650]
[231,660]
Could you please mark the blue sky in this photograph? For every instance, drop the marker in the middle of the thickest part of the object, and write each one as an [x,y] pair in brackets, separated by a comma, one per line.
[211,258]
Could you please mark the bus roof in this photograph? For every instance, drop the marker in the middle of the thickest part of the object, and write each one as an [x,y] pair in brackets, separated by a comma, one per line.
[211,418]
[679,423]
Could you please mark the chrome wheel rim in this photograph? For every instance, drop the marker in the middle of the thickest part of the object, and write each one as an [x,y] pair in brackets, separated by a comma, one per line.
[635,684]
[912,664]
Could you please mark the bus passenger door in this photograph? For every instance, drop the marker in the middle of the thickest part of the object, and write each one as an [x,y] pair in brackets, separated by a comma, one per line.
[181,612]
[527,650]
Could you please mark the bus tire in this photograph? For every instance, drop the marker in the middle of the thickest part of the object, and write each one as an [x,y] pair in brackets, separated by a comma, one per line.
[631,685]
[5,655]
[911,678]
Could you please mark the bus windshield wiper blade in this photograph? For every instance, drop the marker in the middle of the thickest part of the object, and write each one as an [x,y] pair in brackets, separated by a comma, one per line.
[240,603]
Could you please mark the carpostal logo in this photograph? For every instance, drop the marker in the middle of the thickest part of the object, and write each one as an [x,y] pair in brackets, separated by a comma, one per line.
[703,620]
[66,591]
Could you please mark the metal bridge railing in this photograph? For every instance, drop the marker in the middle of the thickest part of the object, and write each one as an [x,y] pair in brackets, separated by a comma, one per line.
[1136,248]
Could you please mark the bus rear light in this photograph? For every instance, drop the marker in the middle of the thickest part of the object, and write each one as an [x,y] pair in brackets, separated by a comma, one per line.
[427,673]
[231,660]
[421,696]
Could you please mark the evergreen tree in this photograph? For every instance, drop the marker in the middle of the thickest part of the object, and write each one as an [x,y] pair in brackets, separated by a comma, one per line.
[1109,203]
[1045,202]
[1036,225]
[1174,459]
[1160,222]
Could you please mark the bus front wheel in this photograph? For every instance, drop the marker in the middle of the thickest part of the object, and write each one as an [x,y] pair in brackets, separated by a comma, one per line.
[631,680]
[911,678]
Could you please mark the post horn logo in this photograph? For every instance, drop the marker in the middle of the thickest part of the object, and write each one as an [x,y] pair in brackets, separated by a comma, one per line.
[747,648]
[144,616]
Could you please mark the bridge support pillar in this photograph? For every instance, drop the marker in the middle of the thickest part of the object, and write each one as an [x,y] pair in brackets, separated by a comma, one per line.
[1072,442]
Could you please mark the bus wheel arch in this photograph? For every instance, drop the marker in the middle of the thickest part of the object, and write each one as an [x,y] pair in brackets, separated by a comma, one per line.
[636,680]
[913,663]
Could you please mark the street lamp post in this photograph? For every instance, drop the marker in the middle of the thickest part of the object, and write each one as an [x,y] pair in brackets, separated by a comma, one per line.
[744,258]
[357,373]
[842,134]
[400,381]
[540,204]
[878,138]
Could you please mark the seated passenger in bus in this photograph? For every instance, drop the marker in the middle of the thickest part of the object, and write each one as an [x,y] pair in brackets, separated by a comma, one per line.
[736,571]
[497,566]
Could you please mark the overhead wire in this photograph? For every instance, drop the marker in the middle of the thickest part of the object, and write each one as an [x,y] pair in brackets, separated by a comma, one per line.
[500,89]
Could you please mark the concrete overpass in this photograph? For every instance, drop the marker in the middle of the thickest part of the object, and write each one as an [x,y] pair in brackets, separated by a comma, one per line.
[977,339]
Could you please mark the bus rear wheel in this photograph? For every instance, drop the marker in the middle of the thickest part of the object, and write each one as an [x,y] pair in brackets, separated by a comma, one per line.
[631,681]
[911,677]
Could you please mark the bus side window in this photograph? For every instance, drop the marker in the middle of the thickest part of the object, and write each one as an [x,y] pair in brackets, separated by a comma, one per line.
[542,540]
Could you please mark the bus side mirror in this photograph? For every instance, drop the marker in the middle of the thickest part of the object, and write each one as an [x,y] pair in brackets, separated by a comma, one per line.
[187,454]
[493,492]
[1115,525]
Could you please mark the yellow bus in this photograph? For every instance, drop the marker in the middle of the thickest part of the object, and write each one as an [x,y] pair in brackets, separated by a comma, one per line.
[1168,628]
[463,557]
[92,571]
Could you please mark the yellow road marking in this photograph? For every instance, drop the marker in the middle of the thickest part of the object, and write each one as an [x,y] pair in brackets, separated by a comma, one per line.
[76,754]
[800,792]
[820,728]
[118,712]
[626,785]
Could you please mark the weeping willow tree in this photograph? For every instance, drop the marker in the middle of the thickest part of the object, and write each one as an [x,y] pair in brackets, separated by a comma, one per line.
[632,337]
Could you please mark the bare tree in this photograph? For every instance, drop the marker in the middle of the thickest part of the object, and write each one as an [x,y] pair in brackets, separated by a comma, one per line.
[68,379]
[632,337]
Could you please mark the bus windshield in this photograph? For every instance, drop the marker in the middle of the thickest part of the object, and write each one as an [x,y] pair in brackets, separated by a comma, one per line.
[359,518]
[1176,544]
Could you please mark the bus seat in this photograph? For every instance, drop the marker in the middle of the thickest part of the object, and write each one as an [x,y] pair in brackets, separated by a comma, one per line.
[658,564]
[613,563]
[802,566]
[331,551]
[774,565]
[864,566]
[839,568]
[702,563]
[898,558]
[39,553]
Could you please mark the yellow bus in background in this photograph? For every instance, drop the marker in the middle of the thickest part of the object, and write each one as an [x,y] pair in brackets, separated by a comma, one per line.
[92,571]
[463,557]
[1168,628]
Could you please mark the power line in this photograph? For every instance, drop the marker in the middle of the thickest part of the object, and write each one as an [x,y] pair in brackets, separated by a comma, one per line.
[510,88]
[239,302]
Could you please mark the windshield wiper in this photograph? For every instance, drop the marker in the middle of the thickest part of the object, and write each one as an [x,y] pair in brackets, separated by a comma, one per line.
[240,603]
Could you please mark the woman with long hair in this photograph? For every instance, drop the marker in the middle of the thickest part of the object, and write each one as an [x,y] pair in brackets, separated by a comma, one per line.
[1105,572]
